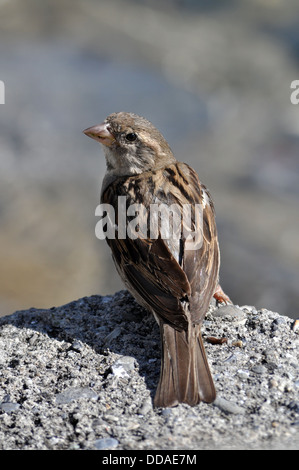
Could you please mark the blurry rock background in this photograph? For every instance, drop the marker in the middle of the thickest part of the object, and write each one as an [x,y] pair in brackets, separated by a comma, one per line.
[213,76]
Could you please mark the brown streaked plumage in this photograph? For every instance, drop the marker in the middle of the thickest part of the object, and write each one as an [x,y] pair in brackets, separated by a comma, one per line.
[176,284]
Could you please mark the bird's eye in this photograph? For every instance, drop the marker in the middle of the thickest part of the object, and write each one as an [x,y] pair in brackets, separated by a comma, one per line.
[131,137]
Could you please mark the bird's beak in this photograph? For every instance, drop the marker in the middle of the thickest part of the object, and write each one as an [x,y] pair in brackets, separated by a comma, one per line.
[100,133]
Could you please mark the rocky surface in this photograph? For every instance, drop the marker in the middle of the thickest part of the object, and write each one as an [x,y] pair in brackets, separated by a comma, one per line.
[83,376]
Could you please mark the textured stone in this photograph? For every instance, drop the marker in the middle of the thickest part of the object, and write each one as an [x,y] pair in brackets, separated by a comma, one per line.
[62,387]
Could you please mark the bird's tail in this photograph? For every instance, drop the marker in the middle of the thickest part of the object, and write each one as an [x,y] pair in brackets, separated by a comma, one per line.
[185,375]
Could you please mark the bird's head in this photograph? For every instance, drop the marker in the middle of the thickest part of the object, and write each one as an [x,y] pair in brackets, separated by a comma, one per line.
[131,144]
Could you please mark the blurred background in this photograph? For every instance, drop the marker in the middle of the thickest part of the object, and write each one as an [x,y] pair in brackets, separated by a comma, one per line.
[213,76]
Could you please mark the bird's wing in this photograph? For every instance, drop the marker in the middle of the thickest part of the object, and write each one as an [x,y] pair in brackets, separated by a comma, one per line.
[167,277]
[201,265]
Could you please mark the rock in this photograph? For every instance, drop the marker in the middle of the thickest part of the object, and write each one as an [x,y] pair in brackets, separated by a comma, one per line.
[77,346]
[230,313]
[112,336]
[146,407]
[123,366]
[259,369]
[9,407]
[62,388]
[75,393]
[106,443]
[228,406]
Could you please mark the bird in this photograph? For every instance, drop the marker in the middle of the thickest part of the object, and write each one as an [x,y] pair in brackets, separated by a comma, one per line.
[169,276]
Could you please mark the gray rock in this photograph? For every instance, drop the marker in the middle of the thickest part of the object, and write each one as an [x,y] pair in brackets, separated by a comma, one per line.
[230,313]
[9,407]
[228,406]
[259,369]
[106,443]
[61,388]
[123,366]
[75,393]
[113,335]
[146,407]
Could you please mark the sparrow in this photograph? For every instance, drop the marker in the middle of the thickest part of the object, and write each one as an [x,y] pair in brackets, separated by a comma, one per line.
[169,277]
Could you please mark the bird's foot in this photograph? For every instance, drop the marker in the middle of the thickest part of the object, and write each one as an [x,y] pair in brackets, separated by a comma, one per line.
[220,296]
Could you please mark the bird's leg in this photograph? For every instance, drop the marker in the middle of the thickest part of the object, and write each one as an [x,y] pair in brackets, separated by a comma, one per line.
[220,296]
